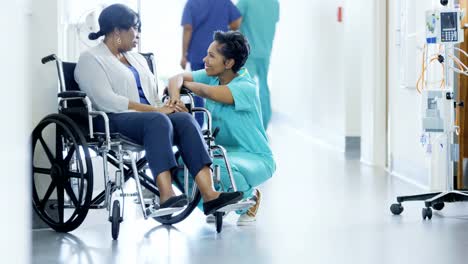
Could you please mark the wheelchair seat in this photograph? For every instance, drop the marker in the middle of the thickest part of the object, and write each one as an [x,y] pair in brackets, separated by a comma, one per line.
[100,137]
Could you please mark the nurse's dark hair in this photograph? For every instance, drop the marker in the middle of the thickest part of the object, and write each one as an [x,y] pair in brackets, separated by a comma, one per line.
[116,16]
[233,46]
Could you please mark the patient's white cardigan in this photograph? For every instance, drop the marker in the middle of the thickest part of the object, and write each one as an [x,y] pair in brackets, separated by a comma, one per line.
[109,83]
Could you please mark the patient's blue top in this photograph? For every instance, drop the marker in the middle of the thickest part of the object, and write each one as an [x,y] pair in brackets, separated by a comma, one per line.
[241,128]
[205,17]
[143,99]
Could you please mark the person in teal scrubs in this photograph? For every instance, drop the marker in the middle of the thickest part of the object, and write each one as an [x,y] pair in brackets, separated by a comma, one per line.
[259,18]
[232,98]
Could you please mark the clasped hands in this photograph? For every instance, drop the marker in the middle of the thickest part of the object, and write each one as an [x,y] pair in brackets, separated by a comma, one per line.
[173,106]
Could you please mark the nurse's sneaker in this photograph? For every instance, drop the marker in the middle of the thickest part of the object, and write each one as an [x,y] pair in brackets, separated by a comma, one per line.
[249,218]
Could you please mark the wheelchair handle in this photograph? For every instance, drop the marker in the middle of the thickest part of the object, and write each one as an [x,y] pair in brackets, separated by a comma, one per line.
[49,58]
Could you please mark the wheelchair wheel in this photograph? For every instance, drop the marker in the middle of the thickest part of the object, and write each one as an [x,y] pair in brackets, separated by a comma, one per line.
[62,174]
[116,219]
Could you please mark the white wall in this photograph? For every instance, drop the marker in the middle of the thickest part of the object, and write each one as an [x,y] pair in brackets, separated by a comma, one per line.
[44,41]
[352,59]
[373,78]
[31,90]
[306,77]
[43,86]
[162,34]
[14,71]
[407,156]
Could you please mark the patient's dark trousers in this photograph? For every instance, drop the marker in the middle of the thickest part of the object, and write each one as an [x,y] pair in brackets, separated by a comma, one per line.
[158,133]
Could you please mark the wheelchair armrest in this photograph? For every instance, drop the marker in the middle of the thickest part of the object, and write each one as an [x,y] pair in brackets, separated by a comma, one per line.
[70,94]
[183,90]
[106,125]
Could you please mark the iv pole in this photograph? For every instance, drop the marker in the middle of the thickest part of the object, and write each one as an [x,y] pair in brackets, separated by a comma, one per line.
[437,200]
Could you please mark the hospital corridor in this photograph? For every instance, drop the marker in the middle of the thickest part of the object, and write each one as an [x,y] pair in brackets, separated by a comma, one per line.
[336,212]
[234,131]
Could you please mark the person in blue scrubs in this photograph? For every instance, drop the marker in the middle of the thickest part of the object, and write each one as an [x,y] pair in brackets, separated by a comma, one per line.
[232,98]
[259,18]
[200,19]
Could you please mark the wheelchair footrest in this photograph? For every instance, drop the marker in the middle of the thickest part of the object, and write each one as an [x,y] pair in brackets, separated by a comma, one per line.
[244,204]
[147,201]
[129,194]
[151,212]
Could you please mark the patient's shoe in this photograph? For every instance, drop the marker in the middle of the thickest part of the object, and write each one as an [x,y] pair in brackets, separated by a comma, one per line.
[175,201]
[249,217]
[225,198]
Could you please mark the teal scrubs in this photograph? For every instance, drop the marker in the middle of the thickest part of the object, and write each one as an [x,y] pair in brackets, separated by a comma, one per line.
[259,18]
[241,133]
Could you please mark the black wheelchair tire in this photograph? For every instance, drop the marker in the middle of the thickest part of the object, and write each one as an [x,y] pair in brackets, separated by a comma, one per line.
[60,175]
[115,220]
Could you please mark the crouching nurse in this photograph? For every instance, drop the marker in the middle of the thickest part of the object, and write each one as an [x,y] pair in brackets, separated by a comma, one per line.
[233,100]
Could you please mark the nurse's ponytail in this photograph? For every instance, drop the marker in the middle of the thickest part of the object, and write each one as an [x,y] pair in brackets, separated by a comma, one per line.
[116,16]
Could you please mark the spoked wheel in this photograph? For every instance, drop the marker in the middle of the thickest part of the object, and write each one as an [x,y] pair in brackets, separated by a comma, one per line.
[116,219]
[219,221]
[62,174]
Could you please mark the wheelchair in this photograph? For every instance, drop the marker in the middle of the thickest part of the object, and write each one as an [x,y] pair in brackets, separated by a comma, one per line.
[64,144]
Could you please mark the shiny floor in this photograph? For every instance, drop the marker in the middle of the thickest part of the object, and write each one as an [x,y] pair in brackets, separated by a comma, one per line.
[320,207]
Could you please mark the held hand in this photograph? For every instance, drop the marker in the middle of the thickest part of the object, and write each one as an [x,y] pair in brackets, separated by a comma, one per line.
[183,62]
[173,101]
[180,107]
[166,110]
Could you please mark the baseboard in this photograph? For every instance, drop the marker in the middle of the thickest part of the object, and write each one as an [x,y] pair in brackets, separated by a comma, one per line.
[409,180]
[313,133]
[353,147]
[352,143]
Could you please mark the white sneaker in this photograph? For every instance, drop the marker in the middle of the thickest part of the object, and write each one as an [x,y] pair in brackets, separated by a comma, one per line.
[245,220]
[250,217]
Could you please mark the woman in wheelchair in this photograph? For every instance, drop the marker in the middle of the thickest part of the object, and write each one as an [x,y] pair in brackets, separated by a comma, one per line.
[120,83]
[233,100]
